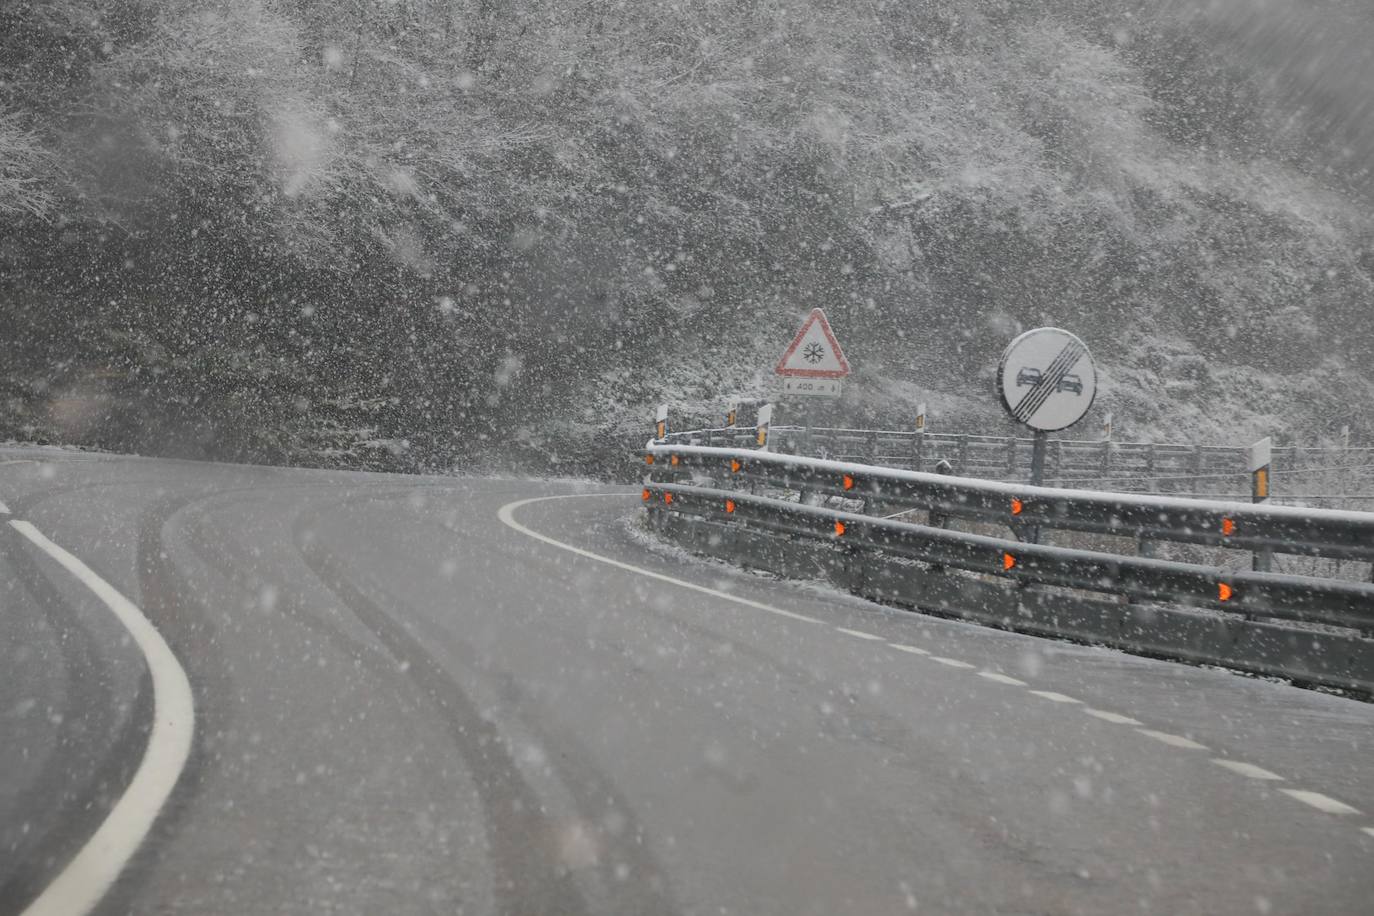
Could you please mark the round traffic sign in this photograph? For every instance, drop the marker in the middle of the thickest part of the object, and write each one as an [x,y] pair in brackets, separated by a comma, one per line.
[1047,379]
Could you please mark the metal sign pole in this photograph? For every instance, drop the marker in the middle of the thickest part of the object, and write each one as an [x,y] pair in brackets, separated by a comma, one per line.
[1039,447]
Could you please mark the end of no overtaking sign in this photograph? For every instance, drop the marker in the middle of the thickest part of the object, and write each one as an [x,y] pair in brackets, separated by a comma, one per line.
[1046,379]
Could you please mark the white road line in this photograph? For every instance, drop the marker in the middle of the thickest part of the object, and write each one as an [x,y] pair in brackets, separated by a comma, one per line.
[87,877]
[1245,769]
[507,516]
[1002,678]
[4,509]
[1172,740]
[858,633]
[1054,697]
[1320,802]
[1115,718]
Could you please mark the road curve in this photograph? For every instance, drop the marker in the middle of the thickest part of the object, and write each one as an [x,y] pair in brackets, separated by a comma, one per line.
[419,694]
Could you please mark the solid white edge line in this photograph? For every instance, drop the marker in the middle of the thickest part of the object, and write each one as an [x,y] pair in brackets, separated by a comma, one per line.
[507,516]
[85,879]
[914,650]
[1246,769]
[1002,678]
[1320,802]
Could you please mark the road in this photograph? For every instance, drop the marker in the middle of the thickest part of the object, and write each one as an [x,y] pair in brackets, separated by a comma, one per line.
[444,695]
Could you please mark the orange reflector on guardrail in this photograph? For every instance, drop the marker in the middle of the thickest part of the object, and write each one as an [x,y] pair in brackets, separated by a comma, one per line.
[667,497]
[848,482]
[1228,526]
[673,460]
[1224,591]
[1008,561]
[729,505]
[1016,506]
[735,465]
[646,495]
[839,529]
[648,459]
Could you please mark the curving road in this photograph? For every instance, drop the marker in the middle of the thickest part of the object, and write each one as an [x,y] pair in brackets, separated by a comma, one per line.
[497,696]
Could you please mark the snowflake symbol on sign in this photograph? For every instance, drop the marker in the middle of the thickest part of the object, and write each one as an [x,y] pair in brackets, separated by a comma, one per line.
[813,353]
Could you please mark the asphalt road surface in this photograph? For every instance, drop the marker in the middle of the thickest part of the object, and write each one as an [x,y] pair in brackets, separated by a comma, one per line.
[251,690]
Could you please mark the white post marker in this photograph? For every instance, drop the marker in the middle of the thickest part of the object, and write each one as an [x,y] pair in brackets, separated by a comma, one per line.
[1260,458]
[661,422]
[1107,427]
[813,364]
[762,423]
[921,417]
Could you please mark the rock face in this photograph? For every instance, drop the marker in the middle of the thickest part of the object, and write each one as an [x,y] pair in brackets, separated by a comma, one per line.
[268,233]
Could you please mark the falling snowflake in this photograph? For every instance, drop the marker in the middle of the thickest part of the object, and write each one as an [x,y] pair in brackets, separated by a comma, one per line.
[813,353]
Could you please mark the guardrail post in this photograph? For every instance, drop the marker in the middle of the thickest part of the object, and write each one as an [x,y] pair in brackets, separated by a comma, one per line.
[873,446]
[963,454]
[1150,467]
[1197,468]
[1106,459]
[917,443]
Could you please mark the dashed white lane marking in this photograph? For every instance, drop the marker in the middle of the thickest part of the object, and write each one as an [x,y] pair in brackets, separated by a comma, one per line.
[860,634]
[1245,769]
[1320,802]
[507,516]
[1054,697]
[1113,717]
[81,885]
[951,662]
[1172,740]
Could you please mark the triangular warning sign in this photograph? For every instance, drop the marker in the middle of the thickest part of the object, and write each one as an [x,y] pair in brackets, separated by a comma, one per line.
[814,352]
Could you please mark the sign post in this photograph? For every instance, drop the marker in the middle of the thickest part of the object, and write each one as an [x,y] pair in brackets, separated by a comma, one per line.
[1261,459]
[661,422]
[1046,380]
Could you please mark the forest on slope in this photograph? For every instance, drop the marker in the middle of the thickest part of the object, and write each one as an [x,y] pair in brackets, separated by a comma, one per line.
[420,233]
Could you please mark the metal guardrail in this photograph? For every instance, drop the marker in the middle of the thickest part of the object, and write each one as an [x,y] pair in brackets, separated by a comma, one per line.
[1256,621]
[1336,534]
[1136,466]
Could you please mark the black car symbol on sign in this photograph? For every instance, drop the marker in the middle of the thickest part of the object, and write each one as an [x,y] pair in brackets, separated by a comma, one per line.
[1029,376]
